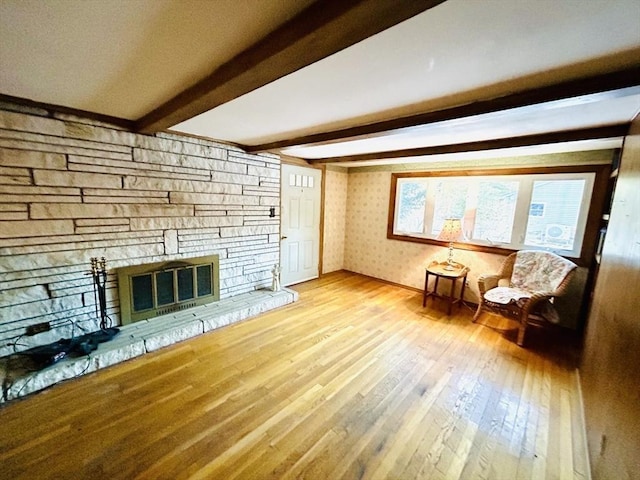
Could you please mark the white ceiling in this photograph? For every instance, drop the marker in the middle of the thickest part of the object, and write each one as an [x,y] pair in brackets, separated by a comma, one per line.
[125,58]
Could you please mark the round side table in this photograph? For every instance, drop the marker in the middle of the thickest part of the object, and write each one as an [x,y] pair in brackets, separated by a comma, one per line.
[440,270]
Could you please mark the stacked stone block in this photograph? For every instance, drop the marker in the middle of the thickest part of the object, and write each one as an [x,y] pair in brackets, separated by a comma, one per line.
[72,188]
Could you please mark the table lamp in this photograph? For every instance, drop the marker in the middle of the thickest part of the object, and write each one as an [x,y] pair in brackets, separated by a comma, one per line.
[451,232]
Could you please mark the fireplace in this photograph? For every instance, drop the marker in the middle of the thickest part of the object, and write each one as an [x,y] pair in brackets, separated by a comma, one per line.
[153,289]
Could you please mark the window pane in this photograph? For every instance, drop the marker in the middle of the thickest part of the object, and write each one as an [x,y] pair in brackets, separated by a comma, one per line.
[164,287]
[451,201]
[185,284]
[553,213]
[496,211]
[412,200]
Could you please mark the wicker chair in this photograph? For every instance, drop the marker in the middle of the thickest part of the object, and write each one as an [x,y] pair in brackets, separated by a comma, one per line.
[525,287]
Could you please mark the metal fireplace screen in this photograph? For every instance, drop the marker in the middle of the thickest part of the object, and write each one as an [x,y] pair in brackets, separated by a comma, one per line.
[154,289]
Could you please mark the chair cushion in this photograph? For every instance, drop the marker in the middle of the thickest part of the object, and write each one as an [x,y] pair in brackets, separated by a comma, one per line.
[506,295]
[539,271]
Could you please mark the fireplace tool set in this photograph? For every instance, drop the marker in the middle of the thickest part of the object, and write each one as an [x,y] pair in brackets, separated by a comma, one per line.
[45,355]
[99,274]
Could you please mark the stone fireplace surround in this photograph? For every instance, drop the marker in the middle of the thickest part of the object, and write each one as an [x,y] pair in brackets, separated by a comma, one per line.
[72,188]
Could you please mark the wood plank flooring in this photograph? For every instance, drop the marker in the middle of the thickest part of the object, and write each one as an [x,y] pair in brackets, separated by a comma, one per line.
[354,381]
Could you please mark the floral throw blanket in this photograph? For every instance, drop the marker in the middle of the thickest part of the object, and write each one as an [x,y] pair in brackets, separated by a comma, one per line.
[536,271]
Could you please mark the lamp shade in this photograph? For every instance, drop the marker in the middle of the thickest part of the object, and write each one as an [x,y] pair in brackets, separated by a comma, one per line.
[451,230]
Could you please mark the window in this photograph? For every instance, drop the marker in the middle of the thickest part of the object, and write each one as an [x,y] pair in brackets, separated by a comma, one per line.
[557,225]
[524,209]
[411,209]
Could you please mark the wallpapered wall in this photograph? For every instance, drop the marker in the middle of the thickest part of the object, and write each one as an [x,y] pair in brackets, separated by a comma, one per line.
[336,182]
[368,251]
[364,247]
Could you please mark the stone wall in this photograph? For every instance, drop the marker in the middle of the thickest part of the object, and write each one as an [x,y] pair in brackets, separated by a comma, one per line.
[72,189]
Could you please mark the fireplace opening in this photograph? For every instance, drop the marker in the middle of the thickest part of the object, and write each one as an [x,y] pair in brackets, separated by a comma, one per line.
[155,289]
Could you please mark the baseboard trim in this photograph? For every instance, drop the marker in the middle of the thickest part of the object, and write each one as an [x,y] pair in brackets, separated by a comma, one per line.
[388,282]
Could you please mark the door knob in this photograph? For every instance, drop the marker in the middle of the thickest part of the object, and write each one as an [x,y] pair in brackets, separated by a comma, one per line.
[283,237]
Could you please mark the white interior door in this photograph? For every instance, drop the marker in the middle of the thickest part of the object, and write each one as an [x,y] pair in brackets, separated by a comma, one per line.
[300,223]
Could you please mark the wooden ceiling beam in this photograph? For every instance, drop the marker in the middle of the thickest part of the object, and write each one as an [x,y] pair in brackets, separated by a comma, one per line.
[629,77]
[322,29]
[523,141]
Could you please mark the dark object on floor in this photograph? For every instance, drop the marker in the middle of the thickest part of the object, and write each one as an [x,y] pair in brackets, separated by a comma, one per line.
[46,355]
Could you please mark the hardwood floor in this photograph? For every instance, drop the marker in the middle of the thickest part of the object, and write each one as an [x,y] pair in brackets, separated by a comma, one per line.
[355,380]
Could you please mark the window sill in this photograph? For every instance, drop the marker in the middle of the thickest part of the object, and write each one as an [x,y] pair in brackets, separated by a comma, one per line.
[475,248]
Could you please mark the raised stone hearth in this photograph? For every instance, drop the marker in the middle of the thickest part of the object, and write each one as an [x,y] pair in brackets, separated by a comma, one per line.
[142,337]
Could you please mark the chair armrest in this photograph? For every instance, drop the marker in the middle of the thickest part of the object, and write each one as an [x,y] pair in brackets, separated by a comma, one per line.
[487,282]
